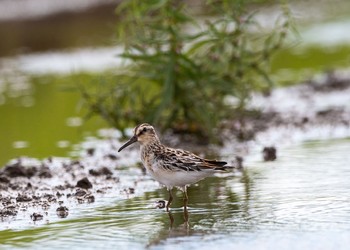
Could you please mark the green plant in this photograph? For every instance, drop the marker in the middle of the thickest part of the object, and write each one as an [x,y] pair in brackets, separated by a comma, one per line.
[181,67]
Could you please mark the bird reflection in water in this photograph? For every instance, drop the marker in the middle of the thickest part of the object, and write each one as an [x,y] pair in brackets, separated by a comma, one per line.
[178,226]
[161,204]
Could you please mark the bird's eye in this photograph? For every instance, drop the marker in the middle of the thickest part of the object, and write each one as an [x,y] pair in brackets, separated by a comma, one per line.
[144,129]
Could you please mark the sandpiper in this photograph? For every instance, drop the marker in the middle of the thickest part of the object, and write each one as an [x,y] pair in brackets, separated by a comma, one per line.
[171,167]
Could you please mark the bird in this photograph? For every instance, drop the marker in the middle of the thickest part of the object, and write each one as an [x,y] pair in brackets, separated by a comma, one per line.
[169,166]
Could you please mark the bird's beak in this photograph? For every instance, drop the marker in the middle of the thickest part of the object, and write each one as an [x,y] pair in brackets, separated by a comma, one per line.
[129,142]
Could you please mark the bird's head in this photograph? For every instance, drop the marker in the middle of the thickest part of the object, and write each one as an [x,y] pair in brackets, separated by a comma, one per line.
[143,133]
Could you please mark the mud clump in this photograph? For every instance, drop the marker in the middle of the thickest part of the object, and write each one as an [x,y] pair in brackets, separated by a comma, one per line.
[80,193]
[23,198]
[62,211]
[84,183]
[83,196]
[50,197]
[4,179]
[27,183]
[113,157]
[90,198]
[45,172]
[17,170]
[101,171]
[90,151]
[331,81]
[269,153]
[36,217]
[8,212]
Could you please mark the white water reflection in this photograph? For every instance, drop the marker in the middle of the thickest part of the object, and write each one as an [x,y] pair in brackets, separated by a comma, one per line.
[327,34]
[68,62]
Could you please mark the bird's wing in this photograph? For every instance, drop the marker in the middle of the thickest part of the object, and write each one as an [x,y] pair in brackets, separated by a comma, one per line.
[180,160]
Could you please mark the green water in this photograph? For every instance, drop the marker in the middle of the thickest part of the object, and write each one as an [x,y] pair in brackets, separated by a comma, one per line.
[44,122]
[299,201]
[295,65]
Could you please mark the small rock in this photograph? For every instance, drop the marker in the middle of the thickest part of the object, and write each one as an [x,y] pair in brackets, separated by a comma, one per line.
[131,190]
[75,162]
[14,170]
[45,172]
[45,205]
[31,171]
[68,186]
[269,153]
[111,156]
[23,198]
[80,193]
[90,198]
[60,187]
[80,200]
[59,195]
[90,151]
[84,183]
[100,191]
[62,211]
[36,216]
[18,170]
[101,171]
[4,179]
[305,120]
[14,186]
[36,197]
[50,197]
[8,212]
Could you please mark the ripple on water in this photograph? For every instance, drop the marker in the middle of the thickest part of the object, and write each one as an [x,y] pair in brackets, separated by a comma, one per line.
[299,201]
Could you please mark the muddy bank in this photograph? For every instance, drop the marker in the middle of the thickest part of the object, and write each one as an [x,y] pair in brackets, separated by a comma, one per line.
[314,110]
[35,188]
[317,109]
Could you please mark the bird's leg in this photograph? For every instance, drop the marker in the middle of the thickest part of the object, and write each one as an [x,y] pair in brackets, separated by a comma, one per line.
[185,199]
[186,224]
[170,200]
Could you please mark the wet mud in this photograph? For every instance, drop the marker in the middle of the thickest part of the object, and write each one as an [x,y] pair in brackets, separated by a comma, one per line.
[319,106]
[28,185]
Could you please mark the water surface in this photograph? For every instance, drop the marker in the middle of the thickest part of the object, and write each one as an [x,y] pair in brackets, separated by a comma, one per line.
[300,201]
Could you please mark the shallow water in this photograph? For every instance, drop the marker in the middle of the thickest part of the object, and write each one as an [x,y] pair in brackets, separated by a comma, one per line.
[300,201]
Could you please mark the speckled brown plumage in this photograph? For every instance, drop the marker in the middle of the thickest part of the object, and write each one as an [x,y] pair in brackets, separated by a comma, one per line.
[171,167]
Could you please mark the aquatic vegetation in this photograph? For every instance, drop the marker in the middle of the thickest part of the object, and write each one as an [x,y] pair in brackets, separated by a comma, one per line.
[182,65]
